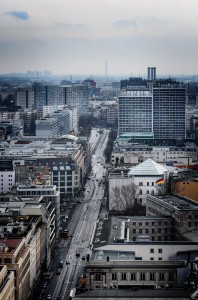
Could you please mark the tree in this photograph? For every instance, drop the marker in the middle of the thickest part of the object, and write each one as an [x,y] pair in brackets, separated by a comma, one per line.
[109,147]
[124,198]
[176,187]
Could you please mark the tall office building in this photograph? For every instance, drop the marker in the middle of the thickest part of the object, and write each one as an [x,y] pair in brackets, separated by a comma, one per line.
[169,99]
[25,98]
[77,96]
[135,110]
[55,95]
[151,73]
[160,109]
[40,97]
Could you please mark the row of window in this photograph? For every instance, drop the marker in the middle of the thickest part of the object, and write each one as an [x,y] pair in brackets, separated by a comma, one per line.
[134,276]
[159,223]
[153,230]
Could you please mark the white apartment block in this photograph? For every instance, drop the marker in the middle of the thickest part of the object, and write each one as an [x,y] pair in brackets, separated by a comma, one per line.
[7,180]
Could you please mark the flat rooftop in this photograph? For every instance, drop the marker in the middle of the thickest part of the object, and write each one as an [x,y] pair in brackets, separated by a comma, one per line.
[176,203]
[132,293]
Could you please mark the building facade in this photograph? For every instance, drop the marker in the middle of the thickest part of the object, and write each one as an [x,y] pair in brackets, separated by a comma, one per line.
[135,110]
[169,106]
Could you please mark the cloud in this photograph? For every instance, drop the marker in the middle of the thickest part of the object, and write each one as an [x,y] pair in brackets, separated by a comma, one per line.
[68,25]
[125,23]
[22,15]
[140,21]
[155,20]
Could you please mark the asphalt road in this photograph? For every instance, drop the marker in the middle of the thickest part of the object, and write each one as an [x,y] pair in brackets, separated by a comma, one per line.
[81,225]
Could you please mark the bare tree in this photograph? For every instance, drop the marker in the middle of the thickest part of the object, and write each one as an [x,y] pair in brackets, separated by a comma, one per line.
[124,198]
[176,188]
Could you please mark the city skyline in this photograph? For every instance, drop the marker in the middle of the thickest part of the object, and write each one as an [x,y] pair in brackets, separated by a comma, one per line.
[82,37]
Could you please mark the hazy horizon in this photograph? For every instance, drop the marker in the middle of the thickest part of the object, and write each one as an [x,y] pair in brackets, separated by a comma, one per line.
[79,36]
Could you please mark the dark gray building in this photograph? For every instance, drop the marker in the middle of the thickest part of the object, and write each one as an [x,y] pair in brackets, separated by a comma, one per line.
[169,103]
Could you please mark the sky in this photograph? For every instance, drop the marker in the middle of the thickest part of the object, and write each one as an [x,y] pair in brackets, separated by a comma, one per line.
[79,36]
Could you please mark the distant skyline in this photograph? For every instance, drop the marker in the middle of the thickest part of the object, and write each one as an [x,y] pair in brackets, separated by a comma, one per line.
[99,36]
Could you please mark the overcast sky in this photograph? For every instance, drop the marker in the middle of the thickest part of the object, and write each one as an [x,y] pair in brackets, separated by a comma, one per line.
[78,36]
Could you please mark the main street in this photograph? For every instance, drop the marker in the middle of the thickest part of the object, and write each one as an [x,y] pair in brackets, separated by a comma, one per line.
[73,251]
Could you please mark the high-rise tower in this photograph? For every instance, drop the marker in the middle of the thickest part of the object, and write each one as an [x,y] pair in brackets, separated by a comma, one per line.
[169,102]
[151,73]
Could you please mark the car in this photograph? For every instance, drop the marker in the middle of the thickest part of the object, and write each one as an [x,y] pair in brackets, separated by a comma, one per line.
[67,262]
[49,297]
[77,253]
[71,235]
[58,271]
[60,264]
[79,201]
[83,257]
[44,285]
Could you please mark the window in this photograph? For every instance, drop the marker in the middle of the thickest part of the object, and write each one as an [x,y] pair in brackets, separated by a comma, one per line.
[133,276]
[114,276]
[140,183]
[134,230]
[142,276]
[147,183]
[7,260]
[171,276]
[123,276]
[159,258]
[151,250]
[151,258]
[152,276]
[161,276]
[160,250]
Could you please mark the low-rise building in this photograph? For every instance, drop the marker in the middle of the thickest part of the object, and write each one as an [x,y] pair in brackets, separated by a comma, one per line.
[134,154]
[144,177]
[184,212]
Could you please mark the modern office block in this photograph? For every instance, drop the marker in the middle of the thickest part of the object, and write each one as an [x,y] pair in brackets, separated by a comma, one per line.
[151,73]
[169,102]
[135,110]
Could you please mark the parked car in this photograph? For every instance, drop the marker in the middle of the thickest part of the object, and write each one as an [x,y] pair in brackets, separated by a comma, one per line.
[77,253]
[58,271]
